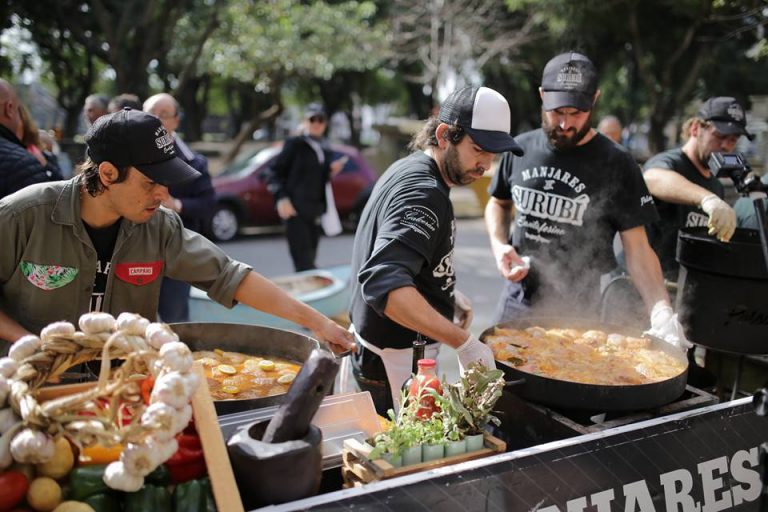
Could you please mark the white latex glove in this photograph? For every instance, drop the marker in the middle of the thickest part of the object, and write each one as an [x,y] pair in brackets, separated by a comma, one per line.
[462,310]
[722,218]
[474,350]
[664,325]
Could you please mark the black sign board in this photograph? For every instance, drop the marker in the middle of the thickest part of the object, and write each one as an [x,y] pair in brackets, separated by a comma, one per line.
[702,461]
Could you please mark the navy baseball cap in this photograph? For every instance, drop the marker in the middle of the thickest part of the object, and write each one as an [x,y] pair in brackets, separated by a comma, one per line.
[569,80]
[727,115]
[483,114]
[134,138]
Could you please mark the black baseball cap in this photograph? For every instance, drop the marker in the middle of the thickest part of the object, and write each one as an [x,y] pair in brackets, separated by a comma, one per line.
[569,80]
[134,138]
[483,114]
[727,115]
[314,109]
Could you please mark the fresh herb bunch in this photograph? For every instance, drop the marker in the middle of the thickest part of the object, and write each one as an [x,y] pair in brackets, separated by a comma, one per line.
[467,405]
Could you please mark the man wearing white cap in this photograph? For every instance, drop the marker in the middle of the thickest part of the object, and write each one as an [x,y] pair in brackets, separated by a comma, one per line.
[572,192]
[402,261]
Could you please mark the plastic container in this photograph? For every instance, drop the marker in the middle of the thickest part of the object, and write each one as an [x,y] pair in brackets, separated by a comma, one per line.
[723,291]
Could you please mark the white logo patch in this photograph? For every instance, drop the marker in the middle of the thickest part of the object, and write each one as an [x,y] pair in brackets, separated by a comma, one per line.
[569,77]
[734,110]
[696,220]
[648,199]
[547,205]
[420,219]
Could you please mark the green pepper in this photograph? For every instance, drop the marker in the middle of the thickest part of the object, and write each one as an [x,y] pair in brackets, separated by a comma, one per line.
[160,476]
[194,496]
[104,502]
[154,498]
[86,481]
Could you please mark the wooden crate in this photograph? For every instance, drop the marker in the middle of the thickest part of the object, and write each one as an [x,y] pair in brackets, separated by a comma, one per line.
[216,457]
[358,469]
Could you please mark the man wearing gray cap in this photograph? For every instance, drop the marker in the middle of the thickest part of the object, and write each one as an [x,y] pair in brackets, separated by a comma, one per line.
[101,241]
[402,259]
[686,192]
[571,193]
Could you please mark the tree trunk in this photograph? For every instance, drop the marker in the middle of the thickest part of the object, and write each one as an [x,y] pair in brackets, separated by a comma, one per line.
[247,129]
[194,109]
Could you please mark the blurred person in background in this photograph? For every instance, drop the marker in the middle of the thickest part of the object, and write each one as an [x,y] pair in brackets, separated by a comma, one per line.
[30,137]
[121,101]
[610,126]
[18,167]
[571,193]
[298,181]
[193,201]
[95,106]
[684,189]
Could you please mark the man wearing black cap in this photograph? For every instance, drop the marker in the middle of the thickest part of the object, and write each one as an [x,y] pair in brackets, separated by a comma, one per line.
[686,192]
[402,260]
[101,242]
[572,192]
[298,180]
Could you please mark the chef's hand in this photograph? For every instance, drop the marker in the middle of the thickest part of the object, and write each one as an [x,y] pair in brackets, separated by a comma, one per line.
[722,218]
[285,209]
[462,310]
[510,264]
[474,350]
[664,325]
[340,339]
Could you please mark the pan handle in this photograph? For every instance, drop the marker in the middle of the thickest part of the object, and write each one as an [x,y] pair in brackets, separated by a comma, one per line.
[514,383]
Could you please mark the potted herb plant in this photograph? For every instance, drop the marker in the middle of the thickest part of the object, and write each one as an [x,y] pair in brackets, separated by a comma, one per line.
[469,403]
[432,438]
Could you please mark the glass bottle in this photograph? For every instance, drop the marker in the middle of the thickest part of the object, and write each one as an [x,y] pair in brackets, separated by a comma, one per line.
[418,353]
[426,378]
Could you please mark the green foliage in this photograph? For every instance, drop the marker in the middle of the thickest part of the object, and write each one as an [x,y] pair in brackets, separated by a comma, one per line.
[467,405]
[264,42]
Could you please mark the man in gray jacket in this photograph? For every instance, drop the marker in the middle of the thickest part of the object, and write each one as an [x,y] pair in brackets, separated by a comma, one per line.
[101,241]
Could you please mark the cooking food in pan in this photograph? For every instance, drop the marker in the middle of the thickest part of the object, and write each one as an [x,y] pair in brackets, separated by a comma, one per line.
[232,375]
[584,356]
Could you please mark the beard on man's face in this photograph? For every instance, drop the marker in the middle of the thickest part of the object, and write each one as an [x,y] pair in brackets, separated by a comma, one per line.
[453,171]
[567,139]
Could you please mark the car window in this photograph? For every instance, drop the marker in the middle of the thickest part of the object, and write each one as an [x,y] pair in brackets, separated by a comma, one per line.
[250,162]
[350,166]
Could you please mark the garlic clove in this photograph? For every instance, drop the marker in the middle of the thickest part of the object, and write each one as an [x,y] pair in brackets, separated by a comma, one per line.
[117,477]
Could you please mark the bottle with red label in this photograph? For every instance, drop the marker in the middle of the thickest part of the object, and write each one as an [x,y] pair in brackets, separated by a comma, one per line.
[426,379]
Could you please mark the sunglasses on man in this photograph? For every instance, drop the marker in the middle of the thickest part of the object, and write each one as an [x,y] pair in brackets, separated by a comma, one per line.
[317,119]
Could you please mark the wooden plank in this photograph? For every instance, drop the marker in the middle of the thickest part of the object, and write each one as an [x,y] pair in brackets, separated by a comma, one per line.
[355,457]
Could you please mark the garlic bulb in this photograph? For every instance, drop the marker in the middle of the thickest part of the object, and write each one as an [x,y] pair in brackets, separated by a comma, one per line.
[32,447]
[132,324]
[6,459]
[8,367]
[95,322]
[141,459]
[177,356]
[5,388]
[24,347]
[8,419]
[163,417]
[183,417]
[166,449]
[172,388]
[158,334]
[117,477]
[61,329]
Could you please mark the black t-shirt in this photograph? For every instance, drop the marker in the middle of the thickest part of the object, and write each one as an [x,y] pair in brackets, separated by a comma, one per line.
[568,207]
[103,240]
[663,233]
[405,238]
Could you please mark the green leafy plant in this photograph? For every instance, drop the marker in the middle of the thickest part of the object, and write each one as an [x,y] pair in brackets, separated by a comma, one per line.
[467,405]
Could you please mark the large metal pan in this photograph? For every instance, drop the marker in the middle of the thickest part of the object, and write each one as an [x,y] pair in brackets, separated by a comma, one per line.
[247,339]
[592,397]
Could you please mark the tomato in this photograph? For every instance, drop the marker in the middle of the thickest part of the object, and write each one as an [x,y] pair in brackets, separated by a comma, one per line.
[13,488]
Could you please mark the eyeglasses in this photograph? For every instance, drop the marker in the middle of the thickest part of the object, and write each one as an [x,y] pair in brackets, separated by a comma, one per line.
[317,119]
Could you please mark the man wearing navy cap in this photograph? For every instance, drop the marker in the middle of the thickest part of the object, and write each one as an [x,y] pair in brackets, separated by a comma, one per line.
[101,241]
[686,192]
[402,260]
[572,192]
